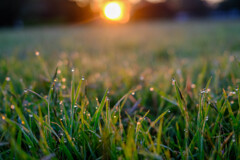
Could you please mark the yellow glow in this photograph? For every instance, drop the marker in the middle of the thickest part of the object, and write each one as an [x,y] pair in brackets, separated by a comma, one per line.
[113,11]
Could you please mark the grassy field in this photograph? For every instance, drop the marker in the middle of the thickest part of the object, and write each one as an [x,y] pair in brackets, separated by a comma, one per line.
[156,90]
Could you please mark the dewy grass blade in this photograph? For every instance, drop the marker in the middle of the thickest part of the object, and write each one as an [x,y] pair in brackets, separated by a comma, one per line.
[97,114]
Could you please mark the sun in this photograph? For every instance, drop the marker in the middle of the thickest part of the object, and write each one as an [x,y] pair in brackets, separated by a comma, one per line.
[113,11]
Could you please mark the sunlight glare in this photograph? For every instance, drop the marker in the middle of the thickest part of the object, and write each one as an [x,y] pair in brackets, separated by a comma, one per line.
[113,11]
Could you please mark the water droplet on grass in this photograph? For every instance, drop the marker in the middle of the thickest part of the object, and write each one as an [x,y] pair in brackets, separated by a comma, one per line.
[37,53]
[8,79]
[59,71]
[141,78]
[173,82]
[151,89]
[206,119]
[233,139]
[193,86]
[63,79]
[12,106]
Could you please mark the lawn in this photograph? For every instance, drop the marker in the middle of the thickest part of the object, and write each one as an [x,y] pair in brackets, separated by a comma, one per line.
[146,90]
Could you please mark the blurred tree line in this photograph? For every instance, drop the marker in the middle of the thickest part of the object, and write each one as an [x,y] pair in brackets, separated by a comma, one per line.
[17,12]
[170,9]
[229,5]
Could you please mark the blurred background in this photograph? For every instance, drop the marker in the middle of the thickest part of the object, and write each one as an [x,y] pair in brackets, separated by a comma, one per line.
[19,13]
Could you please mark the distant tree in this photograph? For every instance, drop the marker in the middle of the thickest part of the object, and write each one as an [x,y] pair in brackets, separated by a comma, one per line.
[9,11]
[193,7]
[147,10]
[42,11]
[55,10]
[229,5]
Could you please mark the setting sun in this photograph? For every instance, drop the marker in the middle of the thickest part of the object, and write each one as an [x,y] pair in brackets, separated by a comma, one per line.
[113,11]
[117,11]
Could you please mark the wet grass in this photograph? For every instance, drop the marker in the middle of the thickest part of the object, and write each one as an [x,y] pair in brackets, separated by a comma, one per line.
[140,91]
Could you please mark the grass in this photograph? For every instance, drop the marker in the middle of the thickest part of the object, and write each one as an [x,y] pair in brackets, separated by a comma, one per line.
[140,91]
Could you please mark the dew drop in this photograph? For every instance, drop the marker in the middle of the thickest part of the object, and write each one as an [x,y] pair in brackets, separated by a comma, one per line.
[37,53]
[8,79]
[193,86]
[233,139]
[151,89]
[63,79]
[206,119]
[59,71]
[63,86]
[12,106]
[173,82]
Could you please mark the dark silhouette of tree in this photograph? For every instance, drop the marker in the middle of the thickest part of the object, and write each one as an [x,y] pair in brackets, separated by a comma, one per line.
[9,11]
[59,10]
[193,7]
[42,11]
[146,10]
[229,5]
